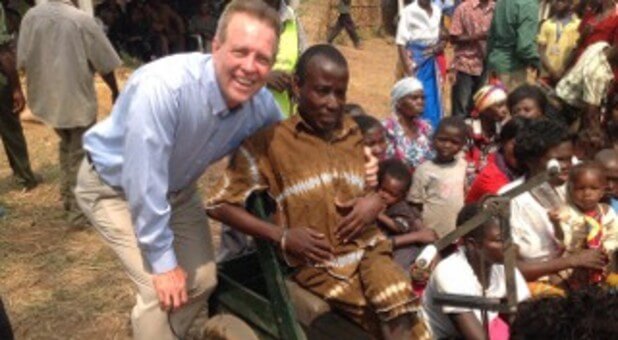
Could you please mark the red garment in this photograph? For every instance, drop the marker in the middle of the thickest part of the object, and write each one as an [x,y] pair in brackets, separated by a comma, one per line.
[487,182]
[604,30]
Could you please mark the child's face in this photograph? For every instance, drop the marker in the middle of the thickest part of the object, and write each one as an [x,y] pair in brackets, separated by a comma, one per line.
[375,139]
[527,108]
[392,190]
[611,174]
[587,189]
[448,141]
[561,6]
[497,112]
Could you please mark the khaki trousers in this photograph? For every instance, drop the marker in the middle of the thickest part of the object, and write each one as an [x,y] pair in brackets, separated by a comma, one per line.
[108,211]
[70,155]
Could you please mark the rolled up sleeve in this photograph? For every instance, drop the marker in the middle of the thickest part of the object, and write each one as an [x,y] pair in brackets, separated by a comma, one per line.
[148,144]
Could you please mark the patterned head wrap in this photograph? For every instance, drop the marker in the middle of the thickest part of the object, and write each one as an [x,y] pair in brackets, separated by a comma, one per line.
[487,96]
[403,88]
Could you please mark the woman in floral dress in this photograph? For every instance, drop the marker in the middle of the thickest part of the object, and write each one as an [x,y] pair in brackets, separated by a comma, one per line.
[408,136]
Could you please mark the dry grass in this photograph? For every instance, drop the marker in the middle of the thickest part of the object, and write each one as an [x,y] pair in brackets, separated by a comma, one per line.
[58,283]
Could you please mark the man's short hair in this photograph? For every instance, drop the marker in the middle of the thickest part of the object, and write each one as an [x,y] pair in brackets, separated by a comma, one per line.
[257,9]
[329,52]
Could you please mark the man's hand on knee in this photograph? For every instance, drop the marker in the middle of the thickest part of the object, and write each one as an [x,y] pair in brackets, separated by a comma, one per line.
[171,288]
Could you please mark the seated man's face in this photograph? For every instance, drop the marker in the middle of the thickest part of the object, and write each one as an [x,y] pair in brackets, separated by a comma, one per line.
[323,94]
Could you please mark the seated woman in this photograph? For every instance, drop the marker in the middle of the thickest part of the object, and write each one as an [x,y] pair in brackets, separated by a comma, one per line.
[501,167]
[540,250]
[408,136]
[312,165]
[465,273]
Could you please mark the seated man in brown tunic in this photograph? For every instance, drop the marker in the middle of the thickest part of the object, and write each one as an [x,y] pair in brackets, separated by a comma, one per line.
[312,165]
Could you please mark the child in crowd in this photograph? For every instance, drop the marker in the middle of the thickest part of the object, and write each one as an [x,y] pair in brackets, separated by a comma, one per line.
[587,223]
[611,118]
[438,185]
[609,159]
[528,101]
[588,143]
[204,25]
[353,110]
[557,38]
[466,273]
[374,134]
[401,222]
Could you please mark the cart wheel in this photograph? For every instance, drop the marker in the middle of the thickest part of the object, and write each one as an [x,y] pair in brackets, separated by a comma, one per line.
[227,327]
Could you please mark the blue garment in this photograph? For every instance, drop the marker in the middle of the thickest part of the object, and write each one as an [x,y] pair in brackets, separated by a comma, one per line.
[614,204]
[169,124]
[428,73]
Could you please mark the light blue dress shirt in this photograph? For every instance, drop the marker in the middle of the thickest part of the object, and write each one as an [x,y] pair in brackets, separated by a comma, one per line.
[168,125]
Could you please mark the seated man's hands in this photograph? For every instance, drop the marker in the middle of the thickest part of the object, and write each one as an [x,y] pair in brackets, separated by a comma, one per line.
[363,211]
[307,244]
[171,288]
[279,81]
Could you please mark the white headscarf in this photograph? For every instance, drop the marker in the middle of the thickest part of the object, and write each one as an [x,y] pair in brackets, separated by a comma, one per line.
[403,88]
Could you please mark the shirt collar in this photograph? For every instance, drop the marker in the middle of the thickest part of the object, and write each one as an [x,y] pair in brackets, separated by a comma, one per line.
[213,91]
[348,127]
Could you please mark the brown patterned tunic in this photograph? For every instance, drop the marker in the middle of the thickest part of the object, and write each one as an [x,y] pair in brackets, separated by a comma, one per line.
[305,174]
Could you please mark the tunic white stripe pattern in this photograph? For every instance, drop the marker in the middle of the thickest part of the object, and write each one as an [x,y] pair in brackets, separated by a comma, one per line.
[321,180]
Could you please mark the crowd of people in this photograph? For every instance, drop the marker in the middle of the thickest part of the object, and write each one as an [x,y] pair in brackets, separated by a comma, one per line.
[355,199]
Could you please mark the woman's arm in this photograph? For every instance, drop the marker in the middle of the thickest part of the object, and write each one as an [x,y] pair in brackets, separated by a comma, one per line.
[587,258]
[468,325]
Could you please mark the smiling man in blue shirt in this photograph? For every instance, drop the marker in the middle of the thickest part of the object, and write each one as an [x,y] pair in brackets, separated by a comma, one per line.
[174,118]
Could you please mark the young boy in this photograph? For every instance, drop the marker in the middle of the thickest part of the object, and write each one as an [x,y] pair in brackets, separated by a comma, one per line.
[312,165]
[462,273]
[609,159]
[588,223]
[374,135]
[401,222]
[438,185]
[557,38]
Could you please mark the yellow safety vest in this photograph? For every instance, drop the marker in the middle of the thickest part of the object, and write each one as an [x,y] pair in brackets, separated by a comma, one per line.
[287,56]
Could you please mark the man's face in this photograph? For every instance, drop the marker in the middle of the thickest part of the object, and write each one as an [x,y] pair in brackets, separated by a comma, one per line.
[244,59]
[322,96]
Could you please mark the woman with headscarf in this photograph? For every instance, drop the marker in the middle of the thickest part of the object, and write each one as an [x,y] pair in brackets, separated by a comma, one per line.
[490,113]
[408,136]
[418,43]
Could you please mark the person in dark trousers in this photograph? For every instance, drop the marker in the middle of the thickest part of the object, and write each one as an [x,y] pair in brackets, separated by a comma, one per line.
[6,332]
[12,102]
[344,21]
